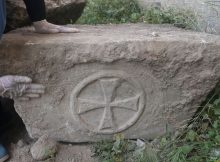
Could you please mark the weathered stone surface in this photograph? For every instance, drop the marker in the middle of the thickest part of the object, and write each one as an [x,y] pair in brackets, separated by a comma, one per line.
[114,78]
[59,11]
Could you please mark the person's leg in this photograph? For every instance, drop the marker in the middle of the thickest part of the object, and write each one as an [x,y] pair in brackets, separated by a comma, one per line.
[37,12]
[2,17]
[36,9]
[3,152]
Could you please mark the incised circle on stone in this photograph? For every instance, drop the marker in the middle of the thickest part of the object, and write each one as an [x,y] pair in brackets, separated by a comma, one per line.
[108,102]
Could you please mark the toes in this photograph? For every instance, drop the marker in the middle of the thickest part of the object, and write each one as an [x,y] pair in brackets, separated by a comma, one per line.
[68,30]
[36,88]
[22,79]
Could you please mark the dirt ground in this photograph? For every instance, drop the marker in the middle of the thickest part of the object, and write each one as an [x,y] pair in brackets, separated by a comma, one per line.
[66,153]
[15,137]
[19,145]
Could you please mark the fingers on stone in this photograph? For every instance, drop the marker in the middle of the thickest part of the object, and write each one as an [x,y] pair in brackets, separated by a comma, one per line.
[23,98]
[32,95]
[36,91]
[36,88]
[22,79]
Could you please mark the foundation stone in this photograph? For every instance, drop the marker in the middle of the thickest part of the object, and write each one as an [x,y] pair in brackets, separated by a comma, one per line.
[112,79]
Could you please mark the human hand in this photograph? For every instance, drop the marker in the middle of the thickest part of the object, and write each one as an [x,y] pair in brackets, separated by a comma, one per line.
[45,27]
[20,87]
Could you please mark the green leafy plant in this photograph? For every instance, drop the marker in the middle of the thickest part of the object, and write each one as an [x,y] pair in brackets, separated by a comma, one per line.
[50,153]
[128,11]
[200,142]
[122,150]
[178,17]
[110,11]
[112,151]
[146,155]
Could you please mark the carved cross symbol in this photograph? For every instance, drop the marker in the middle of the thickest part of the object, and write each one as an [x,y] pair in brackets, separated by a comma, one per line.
[108,89]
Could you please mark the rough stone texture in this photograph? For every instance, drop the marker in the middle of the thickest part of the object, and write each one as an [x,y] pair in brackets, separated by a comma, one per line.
[44,148]
[207,10]
[59,11]
[113,78]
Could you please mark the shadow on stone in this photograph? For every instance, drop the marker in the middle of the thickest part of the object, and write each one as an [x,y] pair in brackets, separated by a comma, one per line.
[12,128]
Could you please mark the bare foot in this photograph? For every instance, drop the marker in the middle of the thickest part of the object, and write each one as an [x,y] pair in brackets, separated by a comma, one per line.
[45,27]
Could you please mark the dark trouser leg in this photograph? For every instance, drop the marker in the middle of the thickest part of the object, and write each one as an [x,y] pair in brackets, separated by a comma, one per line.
[2,28]
[6,115]
[2,17]
[36,9]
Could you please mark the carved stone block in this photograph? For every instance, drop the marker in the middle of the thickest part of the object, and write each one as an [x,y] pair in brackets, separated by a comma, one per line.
[112,79]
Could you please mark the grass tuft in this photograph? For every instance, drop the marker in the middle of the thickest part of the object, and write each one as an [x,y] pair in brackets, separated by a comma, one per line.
[123,150]
[200,142]
[128,11]
[110,11]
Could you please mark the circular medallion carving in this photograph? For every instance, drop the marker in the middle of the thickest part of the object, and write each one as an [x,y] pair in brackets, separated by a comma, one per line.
[108,102]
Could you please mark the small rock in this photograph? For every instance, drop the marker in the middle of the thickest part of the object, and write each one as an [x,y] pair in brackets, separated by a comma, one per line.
[140,144]
[20,143]
[44,148]
[154,34]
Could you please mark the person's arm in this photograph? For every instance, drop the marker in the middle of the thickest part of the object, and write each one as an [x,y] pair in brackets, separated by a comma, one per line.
[37,13]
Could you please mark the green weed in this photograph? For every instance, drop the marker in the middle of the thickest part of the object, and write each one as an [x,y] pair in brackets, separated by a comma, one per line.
[200,142]
[50,154]
[128,11]
[116,151]
[110,11]
[122,150]
[178,17]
